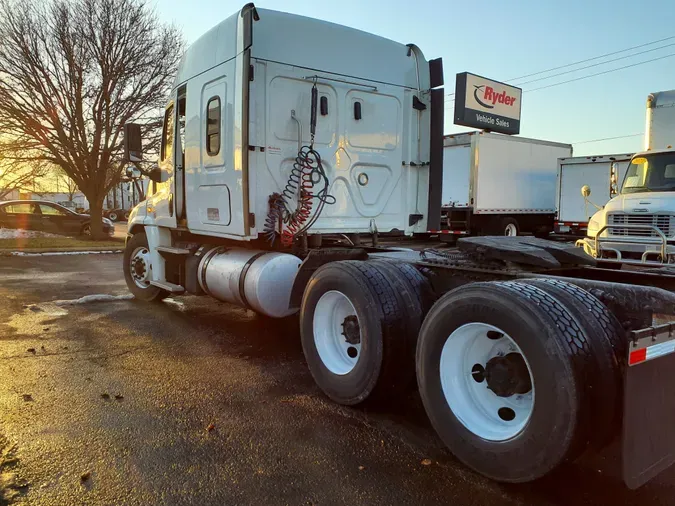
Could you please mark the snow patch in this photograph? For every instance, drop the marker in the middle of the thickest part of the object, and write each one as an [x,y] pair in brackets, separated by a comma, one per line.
[46,309]
[15,233]
[174,302]
[87,299]
[59,253]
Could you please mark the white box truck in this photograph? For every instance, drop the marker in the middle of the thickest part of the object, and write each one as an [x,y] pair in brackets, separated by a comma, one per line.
[497,184]
[602,173]
[277,150]
[638,225]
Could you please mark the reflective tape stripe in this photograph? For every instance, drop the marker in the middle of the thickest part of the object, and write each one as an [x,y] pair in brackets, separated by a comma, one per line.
[651,352]
[658,350]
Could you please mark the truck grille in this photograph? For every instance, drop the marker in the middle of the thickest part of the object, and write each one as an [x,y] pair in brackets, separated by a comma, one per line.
[664,222]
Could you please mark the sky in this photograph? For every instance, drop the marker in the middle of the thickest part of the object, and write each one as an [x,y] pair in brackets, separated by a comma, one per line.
[504,40]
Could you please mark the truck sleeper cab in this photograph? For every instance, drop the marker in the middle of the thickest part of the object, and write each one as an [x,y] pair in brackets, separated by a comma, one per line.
[279,152]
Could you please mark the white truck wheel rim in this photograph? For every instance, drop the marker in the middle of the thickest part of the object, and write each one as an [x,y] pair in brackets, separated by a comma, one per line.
[139,266]
[510,230]
[477,407]
[331,313]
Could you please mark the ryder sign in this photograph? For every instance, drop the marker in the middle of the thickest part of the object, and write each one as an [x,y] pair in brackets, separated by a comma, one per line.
[490,105]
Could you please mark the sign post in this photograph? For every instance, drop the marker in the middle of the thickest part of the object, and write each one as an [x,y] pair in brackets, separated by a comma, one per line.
[487,104]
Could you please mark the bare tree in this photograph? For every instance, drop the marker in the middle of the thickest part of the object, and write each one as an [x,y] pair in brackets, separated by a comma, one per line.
[67,183]
[20,178]
[72,73]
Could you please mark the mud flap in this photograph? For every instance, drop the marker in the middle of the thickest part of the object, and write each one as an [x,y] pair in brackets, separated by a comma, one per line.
[648,439]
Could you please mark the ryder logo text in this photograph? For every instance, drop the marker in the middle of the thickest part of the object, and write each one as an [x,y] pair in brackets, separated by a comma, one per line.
[487,97]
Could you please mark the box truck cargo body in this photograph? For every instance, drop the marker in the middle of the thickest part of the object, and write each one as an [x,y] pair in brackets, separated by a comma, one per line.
[499,184]
[603,174]
[660,128]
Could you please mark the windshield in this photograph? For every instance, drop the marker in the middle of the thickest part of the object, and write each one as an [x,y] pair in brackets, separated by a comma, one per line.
[650,173]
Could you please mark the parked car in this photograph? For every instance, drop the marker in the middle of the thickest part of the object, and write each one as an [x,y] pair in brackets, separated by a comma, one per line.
[47,217]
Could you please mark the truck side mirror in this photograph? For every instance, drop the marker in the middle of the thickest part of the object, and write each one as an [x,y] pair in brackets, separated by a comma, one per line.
[133,147]
[132,172]
[155,174]
[585,191]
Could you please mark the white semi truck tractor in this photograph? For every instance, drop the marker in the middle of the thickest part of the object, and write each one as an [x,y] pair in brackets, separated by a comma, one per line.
[290,145]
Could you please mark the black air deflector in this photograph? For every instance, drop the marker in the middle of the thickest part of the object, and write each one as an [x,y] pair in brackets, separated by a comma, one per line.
[436,160]
[436,73]
[436,144]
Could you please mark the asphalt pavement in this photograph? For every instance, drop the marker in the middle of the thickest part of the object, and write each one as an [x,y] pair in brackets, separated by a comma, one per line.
[192,401]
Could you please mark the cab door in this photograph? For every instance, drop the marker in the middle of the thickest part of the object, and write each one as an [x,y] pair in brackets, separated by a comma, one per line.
[217,152]
[163,201]
[179,155]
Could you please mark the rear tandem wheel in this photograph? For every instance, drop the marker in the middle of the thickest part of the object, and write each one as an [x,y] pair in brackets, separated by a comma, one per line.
[503,371]
[359,323]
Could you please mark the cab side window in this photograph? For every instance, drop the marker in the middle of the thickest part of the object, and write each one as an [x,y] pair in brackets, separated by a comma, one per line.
[213,126]
[167,134]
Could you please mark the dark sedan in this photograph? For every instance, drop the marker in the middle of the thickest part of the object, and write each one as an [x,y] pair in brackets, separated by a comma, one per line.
[47,217]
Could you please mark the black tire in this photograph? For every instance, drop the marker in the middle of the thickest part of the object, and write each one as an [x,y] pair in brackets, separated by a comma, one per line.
[559,357]
[381,367]
[414,280]
[416,299]
[508,223]
[543,233]
[608,345]
[150,293]
[450,239]
[85,230]
[113,216]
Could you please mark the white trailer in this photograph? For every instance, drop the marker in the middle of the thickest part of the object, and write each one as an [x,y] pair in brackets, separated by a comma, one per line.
[279,153]
[660,127]
[498,184]
[602,173]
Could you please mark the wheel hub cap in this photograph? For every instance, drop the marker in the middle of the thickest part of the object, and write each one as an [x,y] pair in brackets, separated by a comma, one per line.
[508,375]
[487,381]
[140,267]
[350,329]
[337,334]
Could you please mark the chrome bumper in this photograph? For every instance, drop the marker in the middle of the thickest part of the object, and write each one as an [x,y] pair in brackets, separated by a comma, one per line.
[655,250]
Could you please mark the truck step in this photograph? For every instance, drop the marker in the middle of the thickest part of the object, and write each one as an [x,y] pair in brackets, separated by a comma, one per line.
[173,251]
[169,287]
